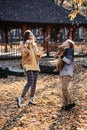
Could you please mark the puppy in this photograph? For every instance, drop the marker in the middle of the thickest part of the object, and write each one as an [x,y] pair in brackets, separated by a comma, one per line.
[59,55]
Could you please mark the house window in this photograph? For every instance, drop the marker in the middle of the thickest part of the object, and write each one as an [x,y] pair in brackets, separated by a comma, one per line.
[14,35]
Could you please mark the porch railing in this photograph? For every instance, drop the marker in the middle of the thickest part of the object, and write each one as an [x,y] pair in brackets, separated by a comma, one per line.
[10,51]
[80,48]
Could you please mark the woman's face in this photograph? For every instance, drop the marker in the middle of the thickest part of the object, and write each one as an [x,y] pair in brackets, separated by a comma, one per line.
[30,38]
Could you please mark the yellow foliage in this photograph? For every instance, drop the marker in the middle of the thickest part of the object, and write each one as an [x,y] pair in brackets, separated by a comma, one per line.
[73,14]
[76,11]
[78,1]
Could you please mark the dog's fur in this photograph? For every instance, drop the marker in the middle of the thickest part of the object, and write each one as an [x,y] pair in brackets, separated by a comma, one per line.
[60,63]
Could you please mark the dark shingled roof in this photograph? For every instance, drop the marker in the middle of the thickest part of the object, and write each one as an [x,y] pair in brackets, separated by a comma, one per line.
[35,11]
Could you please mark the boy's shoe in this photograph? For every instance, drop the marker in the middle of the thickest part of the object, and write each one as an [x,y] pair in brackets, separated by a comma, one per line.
[19,102]
[69,106]
[32,102]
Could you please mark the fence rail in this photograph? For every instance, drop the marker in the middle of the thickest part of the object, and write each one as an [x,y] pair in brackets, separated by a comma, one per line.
[10,51]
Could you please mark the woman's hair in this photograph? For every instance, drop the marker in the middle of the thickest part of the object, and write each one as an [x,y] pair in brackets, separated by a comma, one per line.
[26,36]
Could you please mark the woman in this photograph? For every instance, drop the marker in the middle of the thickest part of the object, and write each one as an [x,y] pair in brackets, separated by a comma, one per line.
[30,58]
[66,74]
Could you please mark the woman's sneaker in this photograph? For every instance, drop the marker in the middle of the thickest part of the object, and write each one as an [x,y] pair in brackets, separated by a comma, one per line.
[19,102]
[32,102]
[63,107]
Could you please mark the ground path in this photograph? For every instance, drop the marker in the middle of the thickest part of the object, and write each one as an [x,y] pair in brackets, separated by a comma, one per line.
[47,114]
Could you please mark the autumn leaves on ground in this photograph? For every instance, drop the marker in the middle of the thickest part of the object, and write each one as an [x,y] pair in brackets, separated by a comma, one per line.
[47,114]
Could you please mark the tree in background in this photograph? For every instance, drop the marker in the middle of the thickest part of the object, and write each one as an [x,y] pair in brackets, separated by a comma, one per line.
[76,6]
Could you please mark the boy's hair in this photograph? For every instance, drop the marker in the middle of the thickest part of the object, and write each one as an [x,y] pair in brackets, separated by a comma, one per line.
[71,43]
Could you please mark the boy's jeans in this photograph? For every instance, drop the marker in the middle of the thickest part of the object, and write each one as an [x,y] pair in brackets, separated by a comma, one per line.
[65,84]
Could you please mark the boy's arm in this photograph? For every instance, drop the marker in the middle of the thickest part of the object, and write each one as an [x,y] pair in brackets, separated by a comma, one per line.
[69,56]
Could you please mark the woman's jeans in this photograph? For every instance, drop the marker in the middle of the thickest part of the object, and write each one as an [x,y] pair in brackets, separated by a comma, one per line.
[31,83]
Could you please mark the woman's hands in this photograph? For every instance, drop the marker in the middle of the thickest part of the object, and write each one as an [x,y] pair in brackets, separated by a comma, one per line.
[39,54]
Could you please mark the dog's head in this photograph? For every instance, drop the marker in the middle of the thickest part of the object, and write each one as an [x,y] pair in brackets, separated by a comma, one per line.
[60,51]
